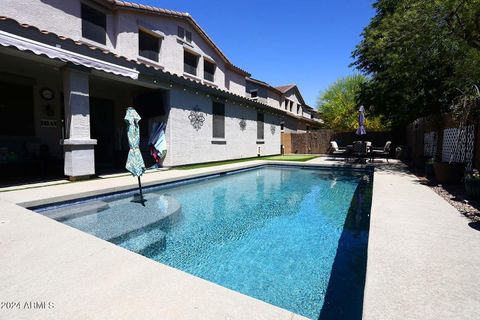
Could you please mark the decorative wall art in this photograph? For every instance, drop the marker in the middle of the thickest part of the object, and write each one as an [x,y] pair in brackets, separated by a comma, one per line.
[197,118]
[243,124]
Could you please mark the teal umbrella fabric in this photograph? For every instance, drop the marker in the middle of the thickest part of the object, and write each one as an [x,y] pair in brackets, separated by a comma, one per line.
[135,162]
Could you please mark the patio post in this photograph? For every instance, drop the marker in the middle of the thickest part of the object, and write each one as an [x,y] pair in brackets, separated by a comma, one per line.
[78,147]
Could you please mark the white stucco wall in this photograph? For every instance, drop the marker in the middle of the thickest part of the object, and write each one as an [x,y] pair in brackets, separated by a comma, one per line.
[57,16]
[187,145]
[172,48]
[235,82]
[292,96]
[273,99]
[122,35]
[306,113]
[291,124]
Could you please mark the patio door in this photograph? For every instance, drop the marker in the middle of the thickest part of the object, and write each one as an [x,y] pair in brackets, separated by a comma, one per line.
[102,128]
[16,109]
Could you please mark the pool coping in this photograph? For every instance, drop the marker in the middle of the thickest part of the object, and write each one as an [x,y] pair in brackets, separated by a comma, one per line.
[129,190]
[16,221]
[87,189]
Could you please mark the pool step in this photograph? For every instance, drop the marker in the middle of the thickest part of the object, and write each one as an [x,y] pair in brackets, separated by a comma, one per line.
[77,210]
[146,243]
[126,219]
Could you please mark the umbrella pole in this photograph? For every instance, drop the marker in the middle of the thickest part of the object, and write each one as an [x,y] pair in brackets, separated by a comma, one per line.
[141,193]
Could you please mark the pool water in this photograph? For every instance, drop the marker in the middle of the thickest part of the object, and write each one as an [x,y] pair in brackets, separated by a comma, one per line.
[293,237]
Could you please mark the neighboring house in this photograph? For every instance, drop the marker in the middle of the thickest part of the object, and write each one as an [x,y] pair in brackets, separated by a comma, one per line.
[293,103]
[69,69]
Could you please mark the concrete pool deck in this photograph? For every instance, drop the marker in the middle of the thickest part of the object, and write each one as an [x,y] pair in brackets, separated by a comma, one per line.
[423,259]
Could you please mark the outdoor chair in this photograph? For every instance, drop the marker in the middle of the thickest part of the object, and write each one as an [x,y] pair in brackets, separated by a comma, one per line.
[336,152]
[360,149]
[381,153]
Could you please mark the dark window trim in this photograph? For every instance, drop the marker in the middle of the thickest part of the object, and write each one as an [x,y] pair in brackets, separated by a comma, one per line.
[209,76]
[219,141]
[188,36]
[91,29]
[218,120]
[188,68]
[153,55]
[180,32]
[260,125]
[185,35]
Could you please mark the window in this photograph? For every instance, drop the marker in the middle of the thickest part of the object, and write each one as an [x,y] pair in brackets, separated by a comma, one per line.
[291,106]
[148,45]
[184,34]
[218,120]
[298,109]
[18,107]
[208,70]
[94,24]
[253,93]
[286,104]
[188,36]
[260,135]
[190,62]
[181,32]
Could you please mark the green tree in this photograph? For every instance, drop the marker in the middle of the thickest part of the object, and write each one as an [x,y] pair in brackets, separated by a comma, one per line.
[420,56]
[338,105]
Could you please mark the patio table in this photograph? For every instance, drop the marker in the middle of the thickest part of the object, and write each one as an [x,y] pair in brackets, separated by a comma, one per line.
[360,155]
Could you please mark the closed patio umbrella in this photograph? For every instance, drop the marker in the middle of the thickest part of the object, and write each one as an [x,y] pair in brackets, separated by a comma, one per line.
[361,148]
[361,122]
[135,163]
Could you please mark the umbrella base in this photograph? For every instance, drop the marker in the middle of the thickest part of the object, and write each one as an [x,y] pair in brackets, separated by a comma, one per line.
[138,198]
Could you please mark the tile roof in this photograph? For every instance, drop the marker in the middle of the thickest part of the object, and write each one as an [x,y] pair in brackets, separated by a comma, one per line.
[285,88]
[182,15]
[263,83]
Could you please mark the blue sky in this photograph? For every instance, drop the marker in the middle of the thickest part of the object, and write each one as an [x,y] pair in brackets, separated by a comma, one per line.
[307,42]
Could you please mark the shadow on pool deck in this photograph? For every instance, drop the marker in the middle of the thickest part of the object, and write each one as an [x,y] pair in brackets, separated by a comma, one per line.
[344,295]
[475,225]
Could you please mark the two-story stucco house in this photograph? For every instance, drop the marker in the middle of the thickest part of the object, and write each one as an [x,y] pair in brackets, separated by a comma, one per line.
[69,69]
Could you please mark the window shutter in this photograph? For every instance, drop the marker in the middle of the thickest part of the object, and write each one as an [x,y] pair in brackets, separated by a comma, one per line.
[94,24]
[218,120]
[148,45]
[260,119]
[180,32]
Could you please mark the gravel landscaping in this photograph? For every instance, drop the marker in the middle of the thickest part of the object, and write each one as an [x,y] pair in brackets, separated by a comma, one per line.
[456,196]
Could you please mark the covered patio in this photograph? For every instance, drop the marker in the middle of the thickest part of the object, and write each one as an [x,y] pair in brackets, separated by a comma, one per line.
[63,111]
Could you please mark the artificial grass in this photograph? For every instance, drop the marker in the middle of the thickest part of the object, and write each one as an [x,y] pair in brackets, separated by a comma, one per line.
[219,163]
[290,157]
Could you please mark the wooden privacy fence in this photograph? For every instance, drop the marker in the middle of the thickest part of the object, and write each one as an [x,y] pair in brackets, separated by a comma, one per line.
[444,140]
[308,142]
[318,142]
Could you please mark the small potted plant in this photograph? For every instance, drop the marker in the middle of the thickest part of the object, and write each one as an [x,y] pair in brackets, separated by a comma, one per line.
[472,184]
[429,167]
[448,172]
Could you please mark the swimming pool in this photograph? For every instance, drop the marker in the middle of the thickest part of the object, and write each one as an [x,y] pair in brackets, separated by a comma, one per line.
[295,237]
